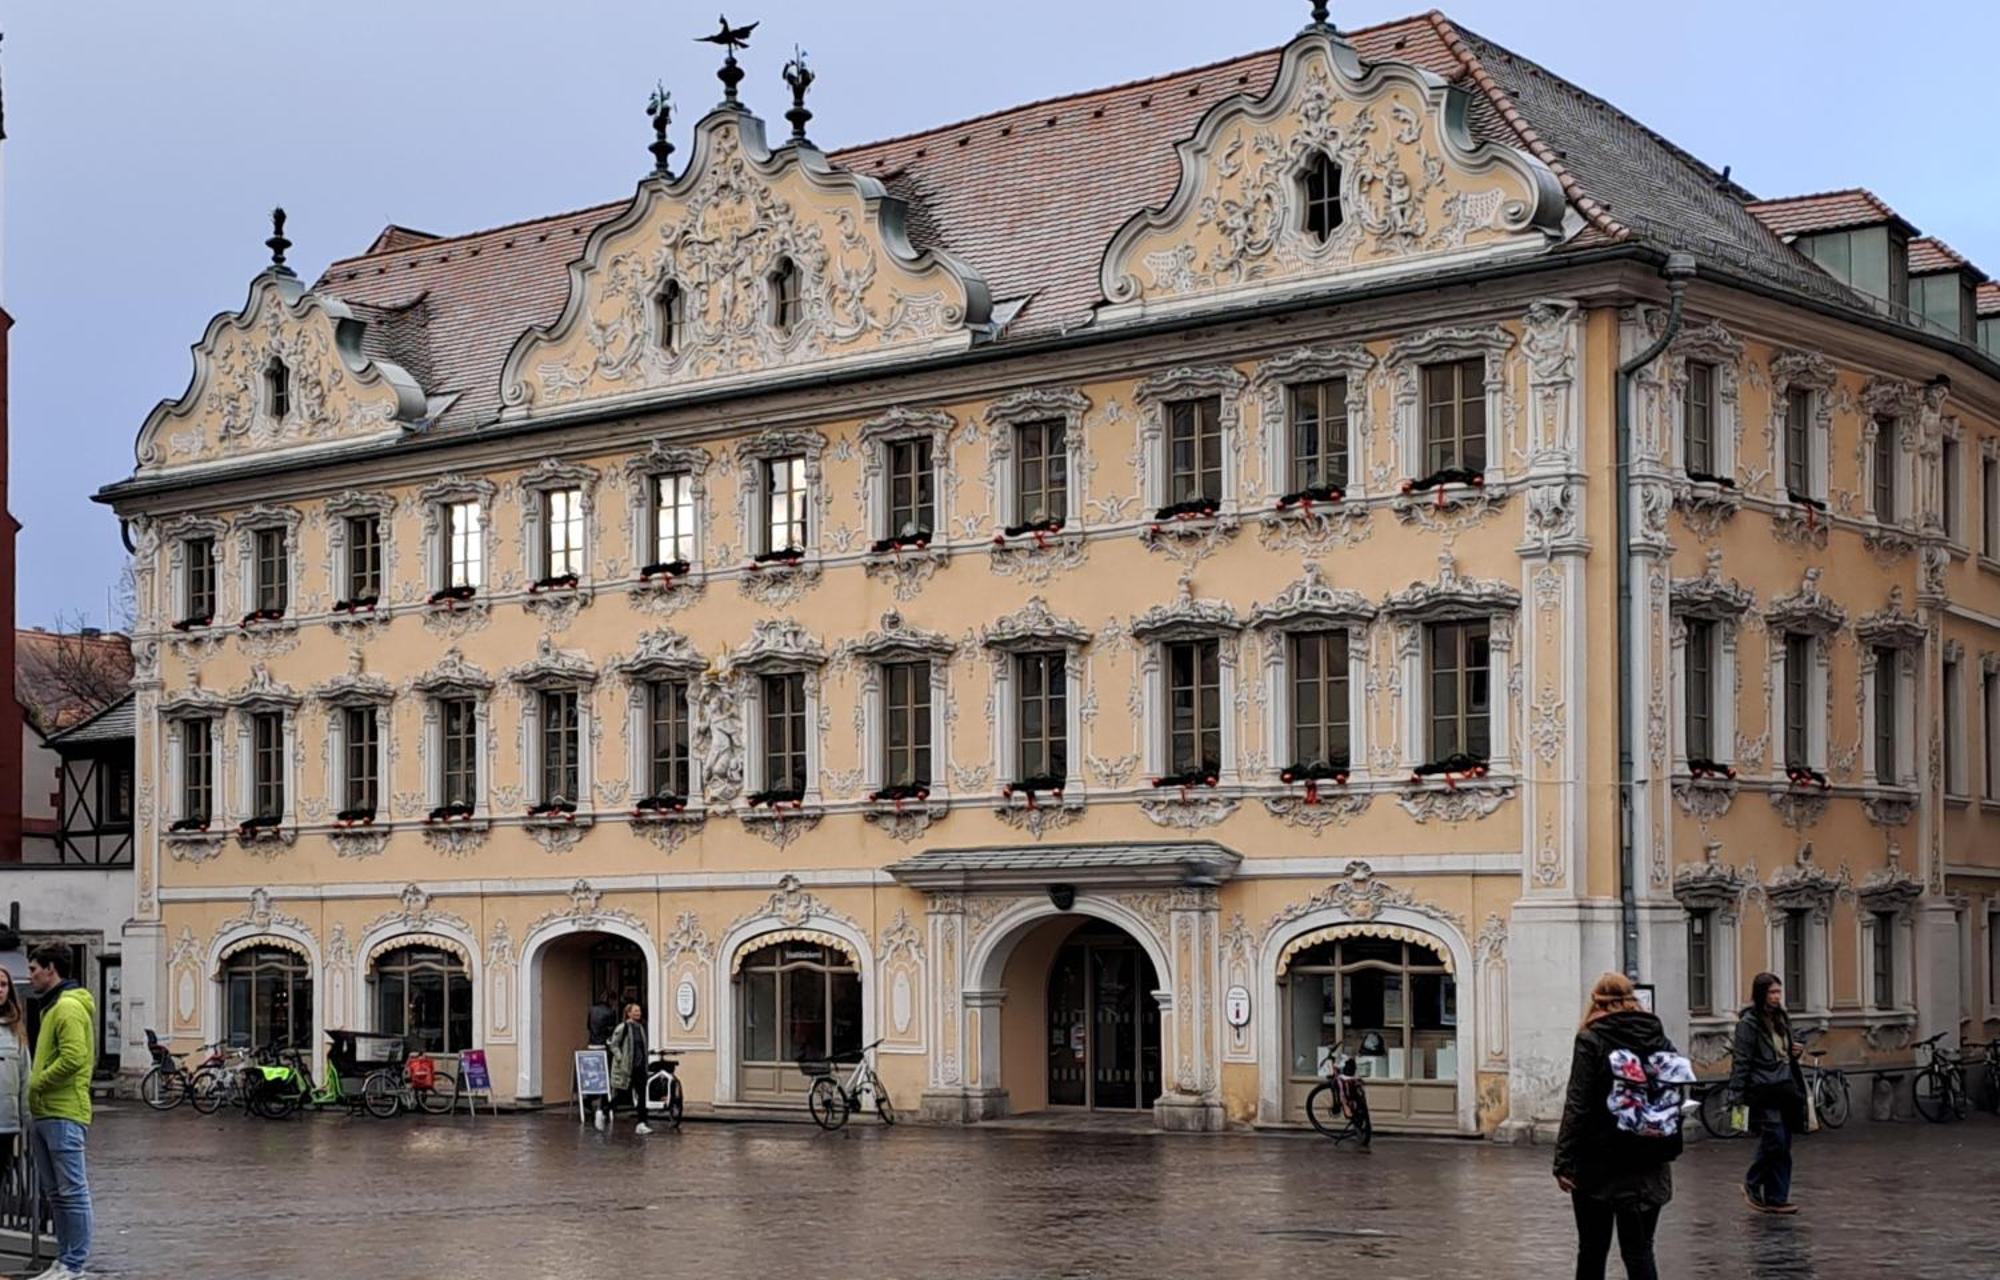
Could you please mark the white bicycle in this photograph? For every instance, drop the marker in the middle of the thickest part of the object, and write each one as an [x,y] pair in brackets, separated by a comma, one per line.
[832,1102]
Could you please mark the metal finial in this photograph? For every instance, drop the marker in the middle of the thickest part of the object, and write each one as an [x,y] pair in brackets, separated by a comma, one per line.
[800,77]
[1321,12]
[661,108]
[731,39]
[278,244]
[3,111]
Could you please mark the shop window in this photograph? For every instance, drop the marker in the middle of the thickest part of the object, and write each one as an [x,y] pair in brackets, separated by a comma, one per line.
[197,771]
[1318,437]
[560,741]
[667,738]
[458,755]
[1455,416]
[1041,472]
[1698,421]
[464,551]
[267,765]
[424,994]
[673,519]
[1194,707]
[785,501]
[272,570]
[785,295]
[1194,452]
[267,999]
[669,307]
[906,742]
[1041,682]
[364,558]
[799,1002]
[1321,708]
[1392,1006]
[1701,960]
[1320,186]
[1460,679]
[198,568]
[278,389]
[912,511]
[361,751]
[562,533]
[784,712]
[1883,465]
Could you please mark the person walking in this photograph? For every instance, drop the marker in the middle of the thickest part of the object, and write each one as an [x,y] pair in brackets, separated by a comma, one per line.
[628,1064]
[1765,1079]
[14,1060]
[59,1102]
[599,1025]
[1609,1156]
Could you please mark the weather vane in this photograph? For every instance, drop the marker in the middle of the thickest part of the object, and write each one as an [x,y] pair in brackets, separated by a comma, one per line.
[277,243]
[800,77]
[731,39]
[660,107]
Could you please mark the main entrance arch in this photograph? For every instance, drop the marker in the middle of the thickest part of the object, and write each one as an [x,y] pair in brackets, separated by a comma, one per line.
[566,966]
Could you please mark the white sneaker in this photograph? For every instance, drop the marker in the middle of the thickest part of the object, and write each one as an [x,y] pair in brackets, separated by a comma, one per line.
[603,1120]
[59,1272]
[643,1128]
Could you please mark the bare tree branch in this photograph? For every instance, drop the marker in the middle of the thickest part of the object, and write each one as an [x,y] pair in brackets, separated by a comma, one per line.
[72,673]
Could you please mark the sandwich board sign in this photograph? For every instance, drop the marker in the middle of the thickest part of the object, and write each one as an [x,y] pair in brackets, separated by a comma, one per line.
[593,1078]
[475,1081]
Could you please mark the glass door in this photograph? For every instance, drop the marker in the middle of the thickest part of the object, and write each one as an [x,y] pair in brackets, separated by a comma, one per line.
[1103,1026]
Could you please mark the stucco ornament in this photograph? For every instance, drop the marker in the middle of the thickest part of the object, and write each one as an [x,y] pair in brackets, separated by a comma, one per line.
[718,736]
[1360,896]
[682,287]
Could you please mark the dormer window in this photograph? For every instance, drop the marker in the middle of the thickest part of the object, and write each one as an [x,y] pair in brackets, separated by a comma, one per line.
[785,295]
[278,389]
[669,308]
[1320,186]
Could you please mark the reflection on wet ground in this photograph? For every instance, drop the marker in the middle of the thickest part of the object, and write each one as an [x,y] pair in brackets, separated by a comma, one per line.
[531,1197]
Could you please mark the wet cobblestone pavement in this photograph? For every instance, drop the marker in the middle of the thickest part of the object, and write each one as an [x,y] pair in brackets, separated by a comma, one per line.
[534,1197]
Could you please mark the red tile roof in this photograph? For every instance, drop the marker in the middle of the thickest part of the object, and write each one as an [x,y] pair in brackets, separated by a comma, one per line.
[1989,299]
[1824,211]
[1932,254]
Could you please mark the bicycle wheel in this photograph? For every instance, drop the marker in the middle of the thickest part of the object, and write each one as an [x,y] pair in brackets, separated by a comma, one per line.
[163,1090]
[1933,1090]
[1323,1110]
[676,1104]
[380,1095]
[827,1104]
[1364,1127]
[208,1091]
[441,1097]
[1715,1115]
[1833,1099]
[274,1102]
[884,1109]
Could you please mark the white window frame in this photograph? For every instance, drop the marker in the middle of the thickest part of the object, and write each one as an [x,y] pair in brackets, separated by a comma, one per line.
[1990,969]
[1902,958]
[538,485]
[1312,606]
[1723,604]
[1405,361]
[1712,345]
[779,647]
[1188,619]
[246,527]
[437,499]
[1952,705]
[1155,397]
[662,654]
[454,678]
[1816,1000]
[1273,385]
[752,518]
[1004,419]
[1951,487]
[220,784]
[349,506]
[336,742]
[1034,629]
[1816,697]
[1989,726]
[898,426]
[660,460]
[1452,598]
[1905,678]
[553,671]
[245,782]
[1900,478]
[178,539]
[1989,501]
[898,643]
[1812,373]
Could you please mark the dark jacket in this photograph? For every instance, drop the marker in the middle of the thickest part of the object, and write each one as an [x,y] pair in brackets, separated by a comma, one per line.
[628,1055]
[1587,1151]
[1762,1077]
[602,1022]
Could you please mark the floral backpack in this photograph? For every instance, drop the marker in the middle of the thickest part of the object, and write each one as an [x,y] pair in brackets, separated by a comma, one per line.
[1645,1102]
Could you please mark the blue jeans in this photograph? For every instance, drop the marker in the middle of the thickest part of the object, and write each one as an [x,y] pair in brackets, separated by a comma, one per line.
[58,1147]
[1770,1174]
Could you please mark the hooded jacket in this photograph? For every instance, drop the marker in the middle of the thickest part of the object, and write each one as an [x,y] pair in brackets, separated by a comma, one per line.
[1587,1151]
[65,1055]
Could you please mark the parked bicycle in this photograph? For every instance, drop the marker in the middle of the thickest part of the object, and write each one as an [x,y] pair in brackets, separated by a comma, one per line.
[219,1082]
[170,1081]
[1827,1086]
[1940,1084]
[663,1089]
[412,1082]
[1712,1100]
[1989,1071]
[832,1102]
[1338,1106]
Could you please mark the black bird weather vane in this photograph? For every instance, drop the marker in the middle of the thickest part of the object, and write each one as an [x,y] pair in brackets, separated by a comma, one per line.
[731,39]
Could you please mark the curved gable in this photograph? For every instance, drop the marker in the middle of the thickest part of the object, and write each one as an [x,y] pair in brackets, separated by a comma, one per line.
[719,231]
[337,393]
[1415,188]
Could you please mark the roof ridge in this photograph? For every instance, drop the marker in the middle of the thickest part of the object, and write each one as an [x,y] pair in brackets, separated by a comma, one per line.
[1864,192]
[92,718]
[1597,214]
[435,241]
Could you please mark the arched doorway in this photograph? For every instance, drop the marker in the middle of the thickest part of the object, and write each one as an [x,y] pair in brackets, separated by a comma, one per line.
[798,998]
[1103,1022]
[1385,995]
[573,972]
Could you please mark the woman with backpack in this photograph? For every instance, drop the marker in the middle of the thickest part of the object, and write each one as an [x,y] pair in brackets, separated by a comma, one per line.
[1620,1129]
[1766,1080]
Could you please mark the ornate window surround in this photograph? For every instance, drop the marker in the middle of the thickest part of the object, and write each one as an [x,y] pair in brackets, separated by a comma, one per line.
[246,527]
[749,456]
[1452,597]
[549,476]
[260,695]
[454,677]
[1711,344]
[1708,598]
[1809,612]
[1155,394]
[553,670]
[662,459]
[1891,891]
[1891,628]
[1271,386]
[900,424]
[175,538]
[1187,618]
[899,642]
[1309,606]
[1811,372]
[663,654]
[355,690]
[1806,887]
[1404,363]
[1005,417]
[1898,400]
[196,703]
[779,646]
[433,498]
[1953,774]
[338,511]
[1714,886]
[1034,629]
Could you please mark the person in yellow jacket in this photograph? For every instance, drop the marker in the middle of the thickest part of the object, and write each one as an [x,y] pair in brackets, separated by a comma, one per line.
[59,1101]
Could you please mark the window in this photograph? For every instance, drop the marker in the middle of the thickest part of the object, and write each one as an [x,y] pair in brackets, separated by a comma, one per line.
[1042,713]
[559,746]
[785,499]
[1392,1005]
[1041,471]
[1194,451]
[912,512]
[273,571]
[1319,435]
[1953,784]
[1700,727]
[1882,959]
[1989,507]
[267,997]
[1792,957]
[114,797]
[1320,185]
[784,706]
[364,558]
[1461,692]
[1194,707]
[360,744]
[1886,736]
[667,738]
[424,994]
[267,765]
[1949,467]
[669,304]
[1989,702]
[1698,420]
[1320,699]
[1701,960]
[197,771]
[785,295]
[458,760]
[562,533]
[1885,469]
[1798,699]
[906,704]
[799,1002]
[278,389]
[673,519]
[464,549]
[199,557]
[1798,443]
[1455,415]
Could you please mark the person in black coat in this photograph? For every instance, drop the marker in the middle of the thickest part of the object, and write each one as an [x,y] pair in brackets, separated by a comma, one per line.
[1610,1186]
[1765,1078]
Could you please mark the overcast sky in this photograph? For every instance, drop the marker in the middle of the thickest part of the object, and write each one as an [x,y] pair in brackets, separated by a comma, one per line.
[148,140]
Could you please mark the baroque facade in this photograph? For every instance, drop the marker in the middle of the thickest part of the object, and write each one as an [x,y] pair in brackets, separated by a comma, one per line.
[1119,644]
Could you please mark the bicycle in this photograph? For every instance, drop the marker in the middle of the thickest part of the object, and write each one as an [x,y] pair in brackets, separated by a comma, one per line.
[1989,1071]
[1940,1085]
[219,1082]
[170,1082]
[1826,1086]
[663,1089]
[831,1102]
[1712,1099]
[1338,1107]
[411,1083]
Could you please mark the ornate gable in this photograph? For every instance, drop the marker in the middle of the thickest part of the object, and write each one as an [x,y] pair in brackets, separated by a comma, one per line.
[1413,187]
[718,235]
[333,393]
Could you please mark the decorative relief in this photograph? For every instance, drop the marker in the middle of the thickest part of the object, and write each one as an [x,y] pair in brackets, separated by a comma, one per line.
[793,905]
[1463,803]
[1330,809]
[1360,896]
[1189,814]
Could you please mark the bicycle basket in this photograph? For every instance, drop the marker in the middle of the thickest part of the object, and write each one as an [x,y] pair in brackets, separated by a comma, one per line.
[422,1069]
[815,1067]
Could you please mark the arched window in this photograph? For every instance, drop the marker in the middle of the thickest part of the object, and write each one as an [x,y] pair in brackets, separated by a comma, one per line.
[669,306]
[785,294]
[278,389]
[1389,1003]
[797,1000]
[267,997]
[424,994]
[1320,185]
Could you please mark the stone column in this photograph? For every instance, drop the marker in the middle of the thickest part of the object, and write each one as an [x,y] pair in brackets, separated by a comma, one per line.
[142,949]
[1190,1050]
[1937,959]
